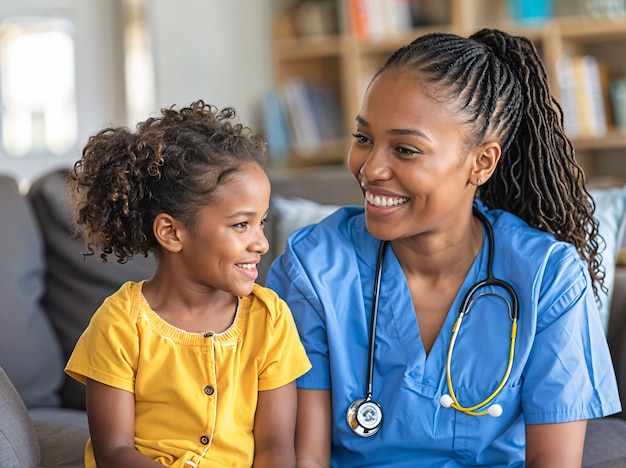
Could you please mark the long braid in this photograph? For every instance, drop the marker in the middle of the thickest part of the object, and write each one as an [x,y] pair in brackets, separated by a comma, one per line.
[499,88]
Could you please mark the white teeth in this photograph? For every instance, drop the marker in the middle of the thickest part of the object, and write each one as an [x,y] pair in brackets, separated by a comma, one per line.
[384,201]
[247,266]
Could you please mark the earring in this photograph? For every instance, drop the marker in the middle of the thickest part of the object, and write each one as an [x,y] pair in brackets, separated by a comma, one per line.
[478,181]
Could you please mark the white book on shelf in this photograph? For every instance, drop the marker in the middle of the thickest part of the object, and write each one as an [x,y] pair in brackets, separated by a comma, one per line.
[397,17]
[376,19]
[595,95]
[566,81]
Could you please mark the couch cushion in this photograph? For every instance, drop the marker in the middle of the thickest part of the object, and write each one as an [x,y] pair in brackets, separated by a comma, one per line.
[286,215]
[29,351]
[610,213]
[75,286]
[604,443]
[61,445]
[317,190]
[18,439]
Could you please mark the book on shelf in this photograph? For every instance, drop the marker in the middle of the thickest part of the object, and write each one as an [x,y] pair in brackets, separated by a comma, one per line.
[378,19]
[326,113]
[357,12]
[313,115]
[275,128]
[583,82]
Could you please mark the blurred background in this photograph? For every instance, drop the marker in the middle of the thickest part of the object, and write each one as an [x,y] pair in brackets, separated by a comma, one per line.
[70,67]
[294,69]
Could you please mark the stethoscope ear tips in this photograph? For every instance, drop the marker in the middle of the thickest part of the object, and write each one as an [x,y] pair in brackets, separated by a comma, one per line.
[445,401]
[495,410]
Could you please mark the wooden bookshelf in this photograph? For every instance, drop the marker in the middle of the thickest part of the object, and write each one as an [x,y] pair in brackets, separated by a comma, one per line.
[346,63]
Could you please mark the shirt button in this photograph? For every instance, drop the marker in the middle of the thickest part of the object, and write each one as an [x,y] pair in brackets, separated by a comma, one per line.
[209,390]
[204,440]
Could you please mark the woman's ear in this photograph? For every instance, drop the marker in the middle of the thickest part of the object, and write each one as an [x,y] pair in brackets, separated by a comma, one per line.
[167,232]
[487,157]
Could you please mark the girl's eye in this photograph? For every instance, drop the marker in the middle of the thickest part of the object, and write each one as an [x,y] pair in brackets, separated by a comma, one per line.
[361,138]
[242,225]
[263,221]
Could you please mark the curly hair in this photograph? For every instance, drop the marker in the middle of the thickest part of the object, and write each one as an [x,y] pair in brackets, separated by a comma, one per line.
[500,90]
[171,164]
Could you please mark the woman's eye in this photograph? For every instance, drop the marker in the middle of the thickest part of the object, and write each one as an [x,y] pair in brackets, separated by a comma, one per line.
[263,221]
[407,151]
[242,225]
[360,138]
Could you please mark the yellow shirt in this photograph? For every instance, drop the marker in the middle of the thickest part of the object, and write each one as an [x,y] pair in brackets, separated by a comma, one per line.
[195,393]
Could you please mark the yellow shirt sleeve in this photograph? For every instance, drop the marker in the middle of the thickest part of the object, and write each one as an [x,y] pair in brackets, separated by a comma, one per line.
[107,351]
[283,358]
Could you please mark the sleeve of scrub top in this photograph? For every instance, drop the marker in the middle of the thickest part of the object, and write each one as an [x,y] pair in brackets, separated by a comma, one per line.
[287,277]
[569,375]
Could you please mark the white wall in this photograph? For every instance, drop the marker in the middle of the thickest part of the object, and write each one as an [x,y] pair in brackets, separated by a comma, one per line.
[216,50]
[99,89]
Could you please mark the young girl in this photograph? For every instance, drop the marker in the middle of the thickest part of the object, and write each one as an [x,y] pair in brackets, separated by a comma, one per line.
[195,366]
[477,251]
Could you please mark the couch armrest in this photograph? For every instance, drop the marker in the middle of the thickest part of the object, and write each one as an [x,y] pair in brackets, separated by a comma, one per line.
[18,439]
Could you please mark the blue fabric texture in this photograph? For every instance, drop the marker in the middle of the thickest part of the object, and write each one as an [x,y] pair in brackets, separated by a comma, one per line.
[562,369]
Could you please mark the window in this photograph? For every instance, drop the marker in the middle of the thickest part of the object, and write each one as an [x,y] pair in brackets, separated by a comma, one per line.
[37,80]
[138,63]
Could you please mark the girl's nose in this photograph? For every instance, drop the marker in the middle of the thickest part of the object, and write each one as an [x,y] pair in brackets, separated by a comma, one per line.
[260,243]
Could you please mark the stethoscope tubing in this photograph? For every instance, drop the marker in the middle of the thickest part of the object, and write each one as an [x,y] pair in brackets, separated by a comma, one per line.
[374,318]
[464,310]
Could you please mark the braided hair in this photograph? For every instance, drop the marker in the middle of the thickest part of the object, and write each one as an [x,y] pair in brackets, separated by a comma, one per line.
[172,164]
[499,87]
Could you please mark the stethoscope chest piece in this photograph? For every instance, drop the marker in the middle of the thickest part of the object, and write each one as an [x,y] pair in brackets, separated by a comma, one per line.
[364,417]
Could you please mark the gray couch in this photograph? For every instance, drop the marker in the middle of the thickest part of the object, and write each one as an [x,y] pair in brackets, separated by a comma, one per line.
[48,293]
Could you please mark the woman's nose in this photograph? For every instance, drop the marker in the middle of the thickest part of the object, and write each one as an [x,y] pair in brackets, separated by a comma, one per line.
[375,166]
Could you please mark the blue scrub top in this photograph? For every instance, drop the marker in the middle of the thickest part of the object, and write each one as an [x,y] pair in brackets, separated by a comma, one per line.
[562,369]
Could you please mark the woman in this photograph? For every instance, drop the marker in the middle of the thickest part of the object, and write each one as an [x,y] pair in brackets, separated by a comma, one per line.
[467,176]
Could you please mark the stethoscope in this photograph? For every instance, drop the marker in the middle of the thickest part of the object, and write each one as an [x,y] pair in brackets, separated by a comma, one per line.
[365,416]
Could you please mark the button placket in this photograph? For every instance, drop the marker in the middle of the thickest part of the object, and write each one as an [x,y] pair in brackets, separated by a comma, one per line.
[210,390]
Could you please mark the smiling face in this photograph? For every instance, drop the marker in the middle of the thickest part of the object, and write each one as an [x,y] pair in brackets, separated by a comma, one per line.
[411,157]
[225,245]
